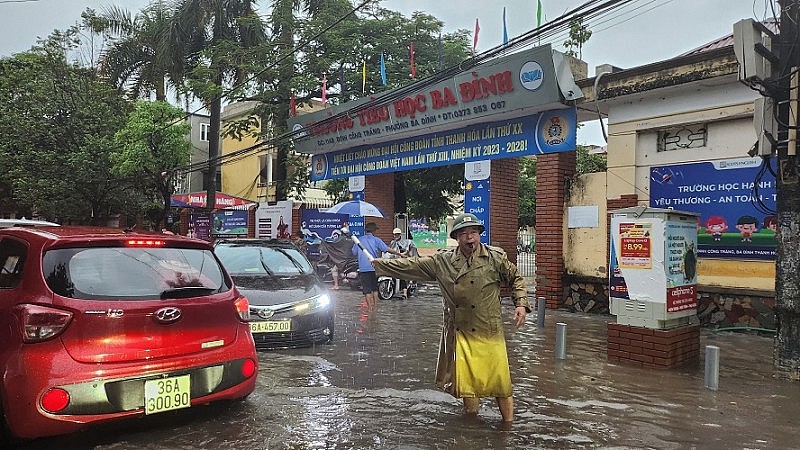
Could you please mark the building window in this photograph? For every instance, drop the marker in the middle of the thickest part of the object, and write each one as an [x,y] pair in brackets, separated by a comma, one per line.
[690,136]
[205,128]
[267,169]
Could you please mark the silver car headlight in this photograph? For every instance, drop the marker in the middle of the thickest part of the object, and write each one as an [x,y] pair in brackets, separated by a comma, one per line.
[314,303]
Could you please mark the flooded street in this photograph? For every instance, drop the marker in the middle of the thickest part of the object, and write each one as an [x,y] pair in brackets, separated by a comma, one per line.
[374,388]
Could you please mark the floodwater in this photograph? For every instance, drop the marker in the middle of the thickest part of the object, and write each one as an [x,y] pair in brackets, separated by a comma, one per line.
[373,389]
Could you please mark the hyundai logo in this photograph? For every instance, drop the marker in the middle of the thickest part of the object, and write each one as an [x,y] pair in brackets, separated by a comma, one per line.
[168,314]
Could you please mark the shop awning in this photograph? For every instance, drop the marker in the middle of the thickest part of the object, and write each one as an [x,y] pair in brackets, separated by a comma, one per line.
[222,201]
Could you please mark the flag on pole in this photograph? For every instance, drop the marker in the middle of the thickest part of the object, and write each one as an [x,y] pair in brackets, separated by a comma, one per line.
[475,39]
[505,28]
[292,108]
[383,70]
[324,88]
[538,13]
[441,51]
[413,67]
[364,78]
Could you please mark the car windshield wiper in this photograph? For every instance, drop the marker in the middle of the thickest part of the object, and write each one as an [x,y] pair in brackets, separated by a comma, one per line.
[186,292]
[294,261]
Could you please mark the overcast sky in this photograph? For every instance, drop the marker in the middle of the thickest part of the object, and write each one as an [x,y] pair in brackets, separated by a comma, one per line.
[642,32]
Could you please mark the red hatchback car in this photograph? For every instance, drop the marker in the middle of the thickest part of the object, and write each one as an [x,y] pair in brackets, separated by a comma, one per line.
[98,324]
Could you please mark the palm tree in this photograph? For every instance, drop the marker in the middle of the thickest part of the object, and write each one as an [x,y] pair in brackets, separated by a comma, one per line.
[214,32]
[145,55]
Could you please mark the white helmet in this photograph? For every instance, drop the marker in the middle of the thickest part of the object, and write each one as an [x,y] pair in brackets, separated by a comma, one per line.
[397,231]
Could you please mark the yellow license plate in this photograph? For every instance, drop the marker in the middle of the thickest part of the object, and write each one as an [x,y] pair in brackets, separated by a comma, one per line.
[166,394]
[271,326]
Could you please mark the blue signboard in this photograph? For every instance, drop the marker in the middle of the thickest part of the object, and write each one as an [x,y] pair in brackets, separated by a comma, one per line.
[548,132]
[736,200]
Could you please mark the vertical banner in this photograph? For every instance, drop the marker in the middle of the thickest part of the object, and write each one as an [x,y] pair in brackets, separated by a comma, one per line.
[274,221]
[476,193]
[681,260]
[356,186]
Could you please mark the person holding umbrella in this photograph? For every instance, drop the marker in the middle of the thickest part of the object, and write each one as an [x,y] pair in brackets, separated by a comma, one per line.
[373,245]
[473,362]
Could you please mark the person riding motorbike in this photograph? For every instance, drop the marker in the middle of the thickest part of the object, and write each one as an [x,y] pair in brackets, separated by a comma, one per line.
[406,248]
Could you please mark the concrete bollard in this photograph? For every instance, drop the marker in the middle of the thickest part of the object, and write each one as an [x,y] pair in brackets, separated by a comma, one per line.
[561,340]
[712,367]
[541,306]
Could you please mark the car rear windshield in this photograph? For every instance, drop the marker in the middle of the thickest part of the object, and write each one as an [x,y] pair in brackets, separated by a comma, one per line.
[256,259]
[131,273]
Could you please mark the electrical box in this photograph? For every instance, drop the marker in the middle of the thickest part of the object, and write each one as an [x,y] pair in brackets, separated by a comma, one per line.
[765,125]
[748,39]
[653,267]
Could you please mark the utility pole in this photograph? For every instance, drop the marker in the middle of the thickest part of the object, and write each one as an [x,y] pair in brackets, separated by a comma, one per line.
[787,263]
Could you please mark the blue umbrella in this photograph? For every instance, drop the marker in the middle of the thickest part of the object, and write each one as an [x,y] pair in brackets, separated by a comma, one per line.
[356,208]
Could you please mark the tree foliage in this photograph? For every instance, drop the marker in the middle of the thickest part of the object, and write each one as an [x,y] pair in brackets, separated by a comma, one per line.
[149,149]
[579,34]
[146,52]
[56,123]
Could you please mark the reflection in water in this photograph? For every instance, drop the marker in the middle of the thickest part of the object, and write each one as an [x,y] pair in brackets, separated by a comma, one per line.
[374,388]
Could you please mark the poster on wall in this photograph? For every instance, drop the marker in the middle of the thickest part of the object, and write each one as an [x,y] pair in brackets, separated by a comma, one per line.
[735,198]
[229,223]
[274,221]
[635,245]
[200,226]
[317,226]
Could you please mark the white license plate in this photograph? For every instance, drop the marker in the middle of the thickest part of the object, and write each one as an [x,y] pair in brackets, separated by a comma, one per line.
[271,326]
[166,394]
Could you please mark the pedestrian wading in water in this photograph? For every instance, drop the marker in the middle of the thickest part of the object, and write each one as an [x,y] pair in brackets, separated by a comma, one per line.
[473,362]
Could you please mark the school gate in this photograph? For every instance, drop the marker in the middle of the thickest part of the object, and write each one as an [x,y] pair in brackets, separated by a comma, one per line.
[487,116]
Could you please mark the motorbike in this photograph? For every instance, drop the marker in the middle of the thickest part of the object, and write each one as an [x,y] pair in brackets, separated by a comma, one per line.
[337,252]
[389,287]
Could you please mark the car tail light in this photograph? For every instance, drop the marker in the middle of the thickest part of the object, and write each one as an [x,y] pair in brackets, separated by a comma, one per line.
[243,308]
[248,368]
[145,243]
[40,323]
[55,400]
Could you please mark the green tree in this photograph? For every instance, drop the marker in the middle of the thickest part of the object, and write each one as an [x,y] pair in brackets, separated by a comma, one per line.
[146,55]
[150,147]
[56,120]
[218,35]
[579,34]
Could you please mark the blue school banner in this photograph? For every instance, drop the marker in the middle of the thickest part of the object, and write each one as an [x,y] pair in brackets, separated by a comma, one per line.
[736,200]
[549,132]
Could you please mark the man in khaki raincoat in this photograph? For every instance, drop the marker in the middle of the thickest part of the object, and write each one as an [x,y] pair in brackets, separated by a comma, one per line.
[473,362]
